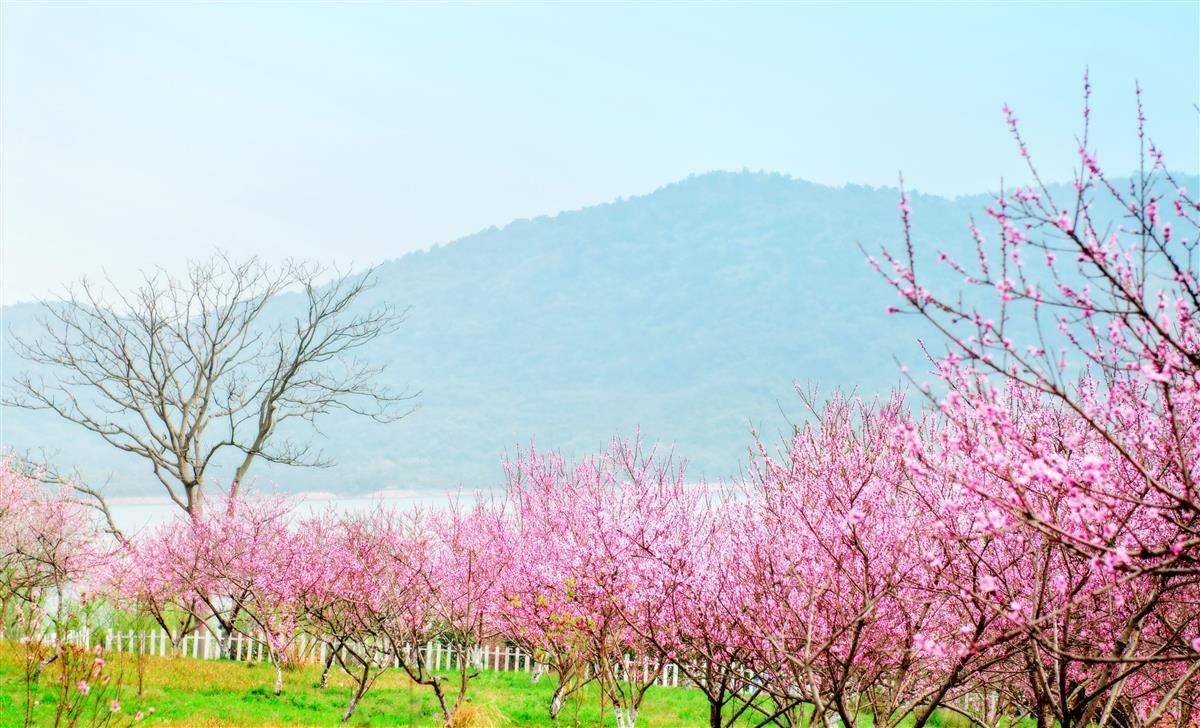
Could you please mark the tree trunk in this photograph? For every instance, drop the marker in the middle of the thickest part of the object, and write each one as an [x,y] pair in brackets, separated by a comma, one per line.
[195,499]
[447,713]
[177,643]
[1187,704]
[328,664]
[558,700]
[278,677]
[714,714]
[226,644]
[626,717]
[1044,717]
[359,691]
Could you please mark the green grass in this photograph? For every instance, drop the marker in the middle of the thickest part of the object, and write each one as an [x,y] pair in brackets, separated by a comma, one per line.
[192,692]
[189,692]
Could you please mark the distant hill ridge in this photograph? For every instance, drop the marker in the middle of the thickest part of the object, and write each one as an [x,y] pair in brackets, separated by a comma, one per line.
[688,312]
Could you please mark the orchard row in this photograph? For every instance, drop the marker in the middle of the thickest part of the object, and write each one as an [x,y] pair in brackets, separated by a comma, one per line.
[1017,537]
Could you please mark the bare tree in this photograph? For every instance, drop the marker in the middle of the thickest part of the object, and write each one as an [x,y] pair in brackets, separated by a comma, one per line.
[184,368]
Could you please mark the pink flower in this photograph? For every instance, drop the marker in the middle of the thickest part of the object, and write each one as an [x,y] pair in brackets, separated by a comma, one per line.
[1117,558]
[1153,373]
[115,706]
[83,687]
[924,645]
[1196,644]
[1064,222]
[987,584]
[139,715]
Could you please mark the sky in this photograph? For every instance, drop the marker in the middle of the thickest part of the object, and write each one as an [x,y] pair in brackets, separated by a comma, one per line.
[137,135]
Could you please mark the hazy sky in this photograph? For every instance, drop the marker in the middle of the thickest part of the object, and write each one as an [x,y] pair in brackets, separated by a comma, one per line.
[140,134]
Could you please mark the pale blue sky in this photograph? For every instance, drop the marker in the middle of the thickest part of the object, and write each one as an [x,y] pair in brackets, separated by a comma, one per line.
[142,133]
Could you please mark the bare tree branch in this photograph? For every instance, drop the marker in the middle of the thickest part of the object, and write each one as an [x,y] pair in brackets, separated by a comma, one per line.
[185,367]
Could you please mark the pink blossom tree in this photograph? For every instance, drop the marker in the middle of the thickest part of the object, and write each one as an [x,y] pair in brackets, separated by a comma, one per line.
[849,591]
[541,619]
[146,578]
[597,516]
[50,548]
[685,596]
[398,582]
[251,555]
[461,579]
[355,587]
[240,565]
[1072,401]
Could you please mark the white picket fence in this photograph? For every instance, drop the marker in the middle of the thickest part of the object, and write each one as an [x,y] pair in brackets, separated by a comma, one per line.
[204,645]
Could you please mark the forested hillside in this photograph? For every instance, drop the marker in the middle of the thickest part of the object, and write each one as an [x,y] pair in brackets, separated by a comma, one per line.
[688,313]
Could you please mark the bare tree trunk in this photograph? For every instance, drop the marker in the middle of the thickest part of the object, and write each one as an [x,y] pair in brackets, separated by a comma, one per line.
[1044,717]
[557,700]
[626,717]
[447,714]
[714,714]
[138,356]
[177,641]
[1187,703]
[359,690]
[328,664]
[539,669]
[225,644]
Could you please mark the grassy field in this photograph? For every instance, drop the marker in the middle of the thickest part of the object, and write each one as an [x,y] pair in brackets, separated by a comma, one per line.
[189,692]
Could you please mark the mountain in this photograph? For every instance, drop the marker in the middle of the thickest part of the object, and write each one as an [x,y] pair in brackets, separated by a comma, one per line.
[688,313]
